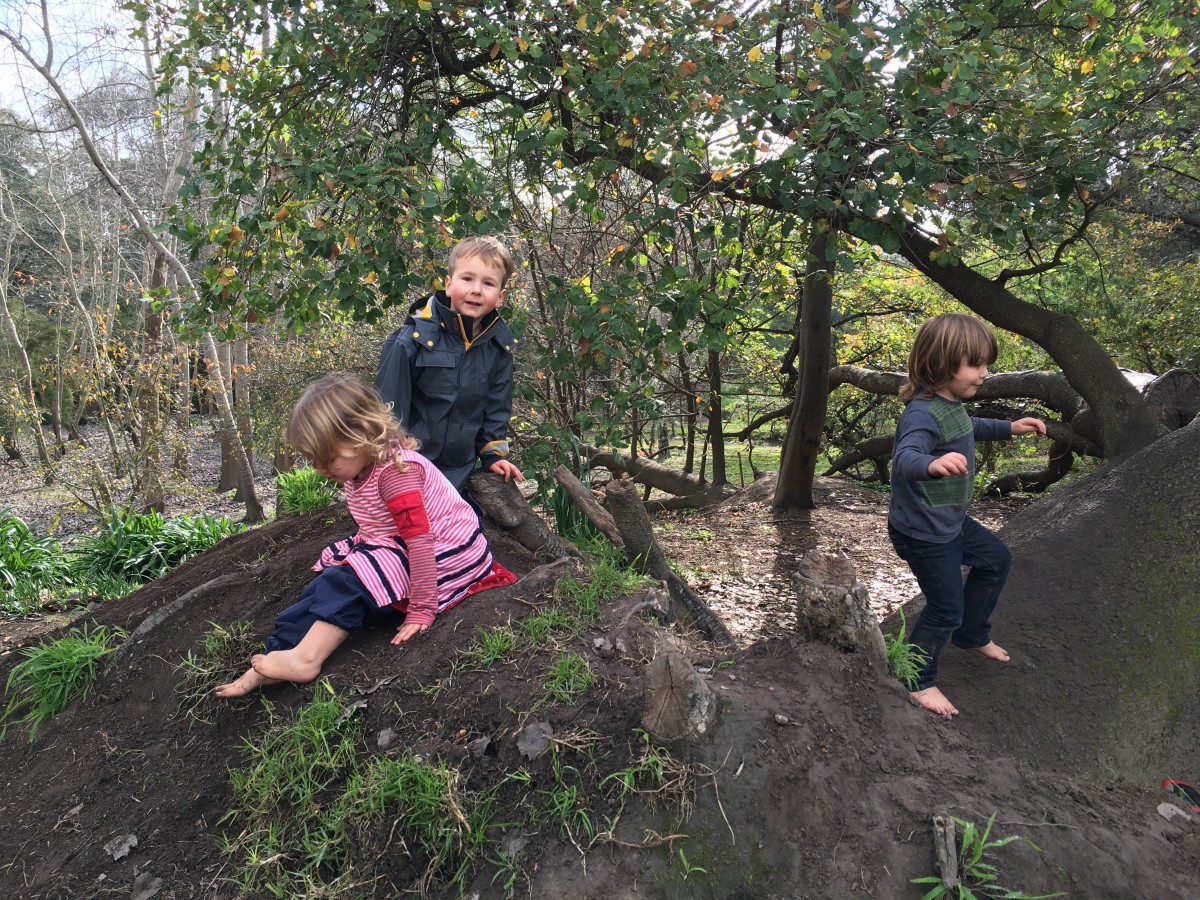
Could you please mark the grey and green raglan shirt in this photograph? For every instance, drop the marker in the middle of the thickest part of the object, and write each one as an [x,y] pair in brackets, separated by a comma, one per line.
[933,509]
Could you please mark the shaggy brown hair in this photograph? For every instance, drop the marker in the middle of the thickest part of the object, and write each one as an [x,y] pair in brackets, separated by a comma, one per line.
[343,413]
[939,350]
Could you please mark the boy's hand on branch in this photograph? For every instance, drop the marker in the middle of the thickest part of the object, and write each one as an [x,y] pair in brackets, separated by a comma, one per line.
[950,464]
[507,469]
[407,632]
[1029,425]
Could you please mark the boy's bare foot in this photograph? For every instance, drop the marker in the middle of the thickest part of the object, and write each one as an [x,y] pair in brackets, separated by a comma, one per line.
[250,681]
[285,665]
[935,701]
[992,650]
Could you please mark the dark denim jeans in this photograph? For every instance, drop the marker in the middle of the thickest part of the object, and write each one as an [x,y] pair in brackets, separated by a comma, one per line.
[953,610]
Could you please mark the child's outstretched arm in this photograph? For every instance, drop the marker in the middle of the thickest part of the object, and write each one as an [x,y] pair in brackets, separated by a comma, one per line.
[402,494]
[1029,425]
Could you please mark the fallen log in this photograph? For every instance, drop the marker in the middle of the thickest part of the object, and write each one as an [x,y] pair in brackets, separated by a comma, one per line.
[644,553]
[588,505]
[504,505]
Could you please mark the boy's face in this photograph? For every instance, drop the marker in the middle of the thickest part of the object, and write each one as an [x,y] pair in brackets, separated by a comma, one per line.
[475,287]
[966,381]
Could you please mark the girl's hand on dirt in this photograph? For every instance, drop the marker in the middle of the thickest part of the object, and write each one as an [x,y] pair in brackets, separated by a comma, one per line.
[407,632]
[1029,425]
[950,464]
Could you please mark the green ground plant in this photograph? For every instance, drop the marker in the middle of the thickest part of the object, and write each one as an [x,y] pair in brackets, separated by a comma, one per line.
[140,547]
[28,559]
[305,794]
[904,659]
[53,673]
[492,646]
[978,878]
[221,658]
[303,489]
[569,677]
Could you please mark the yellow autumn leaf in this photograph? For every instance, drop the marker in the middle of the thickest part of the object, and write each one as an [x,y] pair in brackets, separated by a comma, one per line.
[547,116]
[522,44]
[229,271]
[719,174]
[824,53]
[425,4]
[755,54]
[625,140]
[370,278]
[1087,65]
[582,23]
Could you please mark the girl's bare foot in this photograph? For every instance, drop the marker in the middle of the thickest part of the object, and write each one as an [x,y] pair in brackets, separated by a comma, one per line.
[992,650]
[250,681]
[285,665]
[935,701]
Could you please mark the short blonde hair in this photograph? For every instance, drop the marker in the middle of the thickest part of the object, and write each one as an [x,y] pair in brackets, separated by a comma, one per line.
[343,412]
[939,349]
[487,248]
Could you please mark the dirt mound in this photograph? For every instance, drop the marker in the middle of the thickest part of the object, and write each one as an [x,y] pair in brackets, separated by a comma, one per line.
[818,781]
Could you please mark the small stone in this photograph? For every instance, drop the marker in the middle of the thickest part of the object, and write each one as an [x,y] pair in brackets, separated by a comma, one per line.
[781,719]
[535,740]
[479,746]
[603,647]
[386,738]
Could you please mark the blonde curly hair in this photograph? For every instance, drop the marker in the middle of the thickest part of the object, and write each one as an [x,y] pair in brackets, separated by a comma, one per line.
[343,413]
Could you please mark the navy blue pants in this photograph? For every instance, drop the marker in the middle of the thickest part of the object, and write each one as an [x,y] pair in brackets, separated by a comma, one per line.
[954,610]
[336,596]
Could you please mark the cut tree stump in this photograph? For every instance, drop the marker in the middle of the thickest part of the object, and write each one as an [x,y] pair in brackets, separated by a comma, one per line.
[679,705]
[835,608]
[643,552]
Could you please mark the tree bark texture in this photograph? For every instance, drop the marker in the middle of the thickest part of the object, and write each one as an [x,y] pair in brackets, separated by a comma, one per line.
[505,506]
[678,704]
[798,467]
[589,505]
[834,607]
[644,552]
[644,471]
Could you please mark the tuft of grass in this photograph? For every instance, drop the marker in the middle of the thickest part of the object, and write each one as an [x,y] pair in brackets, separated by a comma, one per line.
[978,877]
[303,490]
[140,547]
[609,579]
[305,796]
[904,659]
[53,674]
[446,827]
[493,645]
[569,677]
[554,621]
[288,800]
[563,804]
[222,658]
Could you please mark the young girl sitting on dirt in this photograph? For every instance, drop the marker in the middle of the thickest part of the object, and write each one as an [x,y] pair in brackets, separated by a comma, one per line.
[419,548]
[933,469]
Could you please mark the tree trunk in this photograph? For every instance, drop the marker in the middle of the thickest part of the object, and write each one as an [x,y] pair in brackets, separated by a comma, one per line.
[149,398]
[242,397]
[643,551]
[1124,423]
[716,421]
[220,393]
[798,467]
[228,479]
[685,377]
